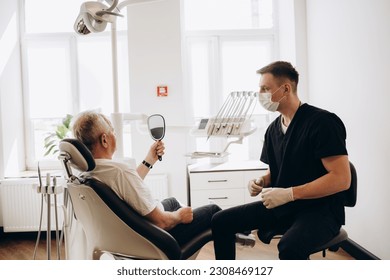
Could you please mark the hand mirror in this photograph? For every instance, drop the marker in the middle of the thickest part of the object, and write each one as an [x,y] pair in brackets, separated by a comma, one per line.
[156,125]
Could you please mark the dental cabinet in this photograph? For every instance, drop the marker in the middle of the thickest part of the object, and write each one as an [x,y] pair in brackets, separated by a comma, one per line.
[224,184]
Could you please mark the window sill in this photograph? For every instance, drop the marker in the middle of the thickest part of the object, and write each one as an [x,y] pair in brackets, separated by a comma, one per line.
[34,174]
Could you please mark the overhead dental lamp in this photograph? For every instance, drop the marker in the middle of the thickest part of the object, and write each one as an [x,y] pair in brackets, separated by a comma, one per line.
[93,18]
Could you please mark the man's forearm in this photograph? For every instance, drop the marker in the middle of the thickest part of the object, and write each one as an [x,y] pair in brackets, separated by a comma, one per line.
[142,171]
[164,219]
[169,220]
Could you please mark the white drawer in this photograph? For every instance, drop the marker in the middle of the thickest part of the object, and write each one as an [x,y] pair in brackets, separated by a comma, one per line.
[216,180]
[222,197]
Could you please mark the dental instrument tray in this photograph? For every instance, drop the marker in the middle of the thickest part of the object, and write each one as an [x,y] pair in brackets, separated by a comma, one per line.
[232,120]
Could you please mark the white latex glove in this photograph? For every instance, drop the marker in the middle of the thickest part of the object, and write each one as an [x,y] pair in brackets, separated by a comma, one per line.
[255,186]
[274,197]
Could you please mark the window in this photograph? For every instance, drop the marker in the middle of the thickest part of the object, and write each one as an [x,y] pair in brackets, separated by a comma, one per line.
[65,73]
[226,42]
[228,14]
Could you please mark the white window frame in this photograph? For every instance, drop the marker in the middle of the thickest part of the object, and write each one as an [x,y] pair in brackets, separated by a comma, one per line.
[217,98]
[70,39]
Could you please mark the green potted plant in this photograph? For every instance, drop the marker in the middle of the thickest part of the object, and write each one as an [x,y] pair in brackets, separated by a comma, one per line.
[62,131]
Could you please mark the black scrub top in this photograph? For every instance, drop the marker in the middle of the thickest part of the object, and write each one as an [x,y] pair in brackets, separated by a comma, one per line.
[294,158]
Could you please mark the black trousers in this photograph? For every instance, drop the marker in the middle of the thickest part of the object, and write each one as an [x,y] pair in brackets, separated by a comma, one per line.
[201,220]
[305,230]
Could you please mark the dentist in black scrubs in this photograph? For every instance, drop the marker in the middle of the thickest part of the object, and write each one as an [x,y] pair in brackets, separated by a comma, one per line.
[305,149]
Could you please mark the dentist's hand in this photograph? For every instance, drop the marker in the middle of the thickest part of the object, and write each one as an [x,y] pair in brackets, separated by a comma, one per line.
[255,186]
[274,197]
[157,149]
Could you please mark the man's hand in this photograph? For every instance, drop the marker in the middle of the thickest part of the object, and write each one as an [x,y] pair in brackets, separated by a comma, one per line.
[157,149]
[255,186]
[274,197]
[186,215]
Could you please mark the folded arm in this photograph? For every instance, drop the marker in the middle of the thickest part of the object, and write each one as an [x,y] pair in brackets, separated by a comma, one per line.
[336,180]
[168,220]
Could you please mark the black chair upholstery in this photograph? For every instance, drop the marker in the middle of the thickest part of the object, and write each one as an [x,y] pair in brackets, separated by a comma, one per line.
[350,198]
[158,241]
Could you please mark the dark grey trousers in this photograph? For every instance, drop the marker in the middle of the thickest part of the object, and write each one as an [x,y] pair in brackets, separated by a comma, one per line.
[305,230]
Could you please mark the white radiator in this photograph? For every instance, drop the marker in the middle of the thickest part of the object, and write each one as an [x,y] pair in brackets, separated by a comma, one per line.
[21,206]
[158,183]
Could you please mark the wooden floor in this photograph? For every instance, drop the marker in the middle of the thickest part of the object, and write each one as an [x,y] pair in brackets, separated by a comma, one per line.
[20,246]
[263,251]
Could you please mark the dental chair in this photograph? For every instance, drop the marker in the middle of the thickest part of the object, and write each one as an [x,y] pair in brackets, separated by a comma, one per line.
[110,225]
[350,197]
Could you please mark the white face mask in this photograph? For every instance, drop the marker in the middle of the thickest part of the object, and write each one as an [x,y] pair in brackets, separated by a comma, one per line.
[265,100]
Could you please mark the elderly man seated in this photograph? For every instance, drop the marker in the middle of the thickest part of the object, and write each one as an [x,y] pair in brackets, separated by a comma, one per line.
[183,223]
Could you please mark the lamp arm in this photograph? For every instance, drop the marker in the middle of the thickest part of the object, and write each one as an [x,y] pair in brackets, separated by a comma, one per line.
[102,13]
[130,2]
[114,53]
[113,6]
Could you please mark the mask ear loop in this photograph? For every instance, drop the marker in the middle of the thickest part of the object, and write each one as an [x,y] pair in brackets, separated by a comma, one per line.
[284,95]
[277,91]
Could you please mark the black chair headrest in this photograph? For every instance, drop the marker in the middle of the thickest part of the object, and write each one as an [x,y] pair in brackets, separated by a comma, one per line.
[80,156]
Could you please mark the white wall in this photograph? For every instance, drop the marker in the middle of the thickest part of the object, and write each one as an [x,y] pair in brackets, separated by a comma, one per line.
[155,59]
[348,66]
[293,39]
[11,105]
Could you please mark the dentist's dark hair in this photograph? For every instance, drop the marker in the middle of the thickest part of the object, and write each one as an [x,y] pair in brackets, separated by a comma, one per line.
[281,70]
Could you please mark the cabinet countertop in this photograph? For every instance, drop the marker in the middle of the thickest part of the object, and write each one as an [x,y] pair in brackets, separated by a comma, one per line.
[228,166]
